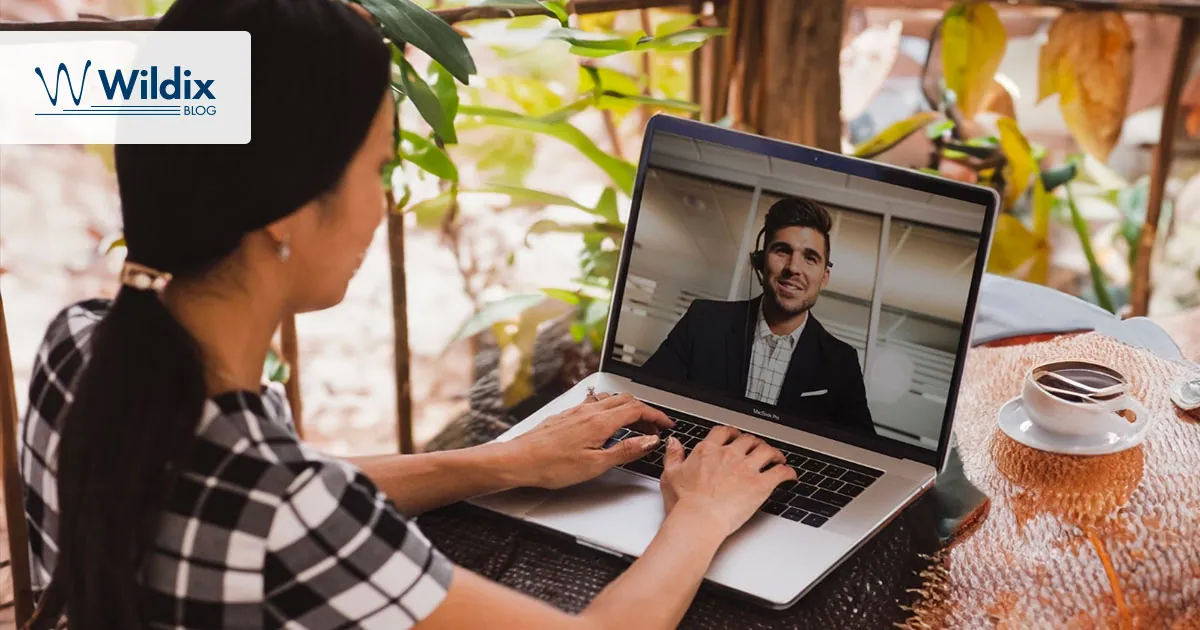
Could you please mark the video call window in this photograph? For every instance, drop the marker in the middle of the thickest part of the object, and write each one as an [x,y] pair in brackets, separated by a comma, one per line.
[866,343]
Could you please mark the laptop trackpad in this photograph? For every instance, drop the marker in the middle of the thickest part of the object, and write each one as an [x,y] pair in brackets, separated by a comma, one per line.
[770,557]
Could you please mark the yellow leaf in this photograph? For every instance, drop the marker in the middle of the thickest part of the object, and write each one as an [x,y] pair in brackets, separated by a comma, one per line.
[1021,165]
[1016,251]
[105,152]
[973,43]
[1088,61]
[892,136]
[998,100]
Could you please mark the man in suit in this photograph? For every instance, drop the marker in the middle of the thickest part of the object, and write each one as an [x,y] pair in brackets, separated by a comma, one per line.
[772,349]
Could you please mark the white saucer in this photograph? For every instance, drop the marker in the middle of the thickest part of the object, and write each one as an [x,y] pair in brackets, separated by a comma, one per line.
[1016,424]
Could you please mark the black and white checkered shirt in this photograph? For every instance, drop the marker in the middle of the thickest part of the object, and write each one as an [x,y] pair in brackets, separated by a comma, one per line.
[769,359]
[262,532]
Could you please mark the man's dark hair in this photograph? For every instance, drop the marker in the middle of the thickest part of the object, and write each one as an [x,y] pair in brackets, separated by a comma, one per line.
[797,212]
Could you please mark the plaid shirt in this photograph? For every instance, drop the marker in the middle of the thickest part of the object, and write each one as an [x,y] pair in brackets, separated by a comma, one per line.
[262,532]
[769,359]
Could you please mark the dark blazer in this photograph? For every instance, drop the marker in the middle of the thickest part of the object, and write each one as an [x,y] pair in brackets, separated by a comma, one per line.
[710,348]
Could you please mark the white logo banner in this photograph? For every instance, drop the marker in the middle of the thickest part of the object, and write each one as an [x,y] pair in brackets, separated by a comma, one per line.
[146,87]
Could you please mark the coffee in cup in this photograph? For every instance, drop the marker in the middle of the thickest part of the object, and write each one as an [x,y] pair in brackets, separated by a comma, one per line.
[1081,398]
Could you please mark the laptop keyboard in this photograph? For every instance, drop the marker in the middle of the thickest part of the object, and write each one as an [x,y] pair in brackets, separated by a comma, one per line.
[825,484]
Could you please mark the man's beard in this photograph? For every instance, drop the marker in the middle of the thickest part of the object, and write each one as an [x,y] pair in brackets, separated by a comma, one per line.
[805,305]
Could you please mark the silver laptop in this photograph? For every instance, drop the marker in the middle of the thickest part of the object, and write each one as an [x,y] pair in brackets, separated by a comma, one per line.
[863,408]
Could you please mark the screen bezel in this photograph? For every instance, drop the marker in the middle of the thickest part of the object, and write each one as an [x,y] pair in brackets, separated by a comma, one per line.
[981,196]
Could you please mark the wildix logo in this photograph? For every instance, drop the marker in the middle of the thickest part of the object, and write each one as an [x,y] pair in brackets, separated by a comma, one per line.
[176,84]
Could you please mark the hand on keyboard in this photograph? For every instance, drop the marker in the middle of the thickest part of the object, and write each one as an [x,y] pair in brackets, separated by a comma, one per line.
[728,474]
[568,448]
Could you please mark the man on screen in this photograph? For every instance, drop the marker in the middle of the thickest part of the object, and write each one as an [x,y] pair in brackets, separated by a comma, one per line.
[772,349]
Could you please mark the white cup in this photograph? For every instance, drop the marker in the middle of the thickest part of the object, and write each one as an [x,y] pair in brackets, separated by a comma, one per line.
[1080,398]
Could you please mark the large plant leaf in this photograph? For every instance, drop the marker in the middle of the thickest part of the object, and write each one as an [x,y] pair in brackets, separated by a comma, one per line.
[521,195]
[405,22]
[600,80]
[621,172]
[503,310]
[427,155]
[681,41]
[1014,248]
[592,43]
[1021,166]
[446,91]
[674,25]
[894,134]
[431,109]
[973,43]
[1088,61]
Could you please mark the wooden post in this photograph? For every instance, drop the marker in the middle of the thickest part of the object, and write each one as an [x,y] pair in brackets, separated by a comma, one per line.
[291,355]
[404,419]
[785,70]
[14,496]
[1185,48]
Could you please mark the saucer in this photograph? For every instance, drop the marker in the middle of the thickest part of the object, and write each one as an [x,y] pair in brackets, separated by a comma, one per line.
[1016,424]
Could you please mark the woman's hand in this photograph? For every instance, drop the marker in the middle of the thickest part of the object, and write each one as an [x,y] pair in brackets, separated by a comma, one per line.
[567,448]
[724,477]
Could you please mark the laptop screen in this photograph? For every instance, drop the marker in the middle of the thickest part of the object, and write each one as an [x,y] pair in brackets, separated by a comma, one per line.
[777,280]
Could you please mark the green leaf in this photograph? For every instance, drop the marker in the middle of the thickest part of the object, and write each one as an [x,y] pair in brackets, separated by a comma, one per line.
[507,156]
[548,7]
[682,41]
[427,155]
[531,95]
[622,173]
[405,22]
[521,195]
[446,91]
[600,80]
[1081,228]
[432,211]
[606,207]
[563,295]
[609,43]
[503,310]
[938,128]
[567,111]
[674,25]
[596,312]
[609,100]
[893,135]
[275,369]
[1056,177]
[427,102]
[546,226]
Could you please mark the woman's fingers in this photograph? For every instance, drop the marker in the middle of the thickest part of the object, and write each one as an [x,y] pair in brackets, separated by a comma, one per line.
[746,443]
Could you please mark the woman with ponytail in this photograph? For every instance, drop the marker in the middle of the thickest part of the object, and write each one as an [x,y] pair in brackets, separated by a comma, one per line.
[165,484]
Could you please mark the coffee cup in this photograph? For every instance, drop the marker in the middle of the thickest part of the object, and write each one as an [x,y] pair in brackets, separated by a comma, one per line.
[1081,398]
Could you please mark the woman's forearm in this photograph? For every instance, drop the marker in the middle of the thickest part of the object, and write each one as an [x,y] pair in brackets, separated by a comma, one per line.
[426,481]
[657,589]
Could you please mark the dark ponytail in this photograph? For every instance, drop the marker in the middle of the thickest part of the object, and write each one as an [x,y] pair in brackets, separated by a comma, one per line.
[135,410]
[186,208]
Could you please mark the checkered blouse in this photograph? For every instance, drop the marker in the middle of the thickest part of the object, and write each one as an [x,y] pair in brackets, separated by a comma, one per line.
[262,532]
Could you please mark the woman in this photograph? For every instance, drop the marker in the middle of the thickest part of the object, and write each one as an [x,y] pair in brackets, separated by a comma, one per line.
[181,496]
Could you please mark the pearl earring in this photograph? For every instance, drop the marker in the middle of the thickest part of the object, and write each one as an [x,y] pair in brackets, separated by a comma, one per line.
[284,250]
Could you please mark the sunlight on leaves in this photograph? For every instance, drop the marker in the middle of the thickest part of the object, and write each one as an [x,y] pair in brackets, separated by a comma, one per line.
[1088,61]
[432,211]
[973,43]
[1020,167]
[405,22]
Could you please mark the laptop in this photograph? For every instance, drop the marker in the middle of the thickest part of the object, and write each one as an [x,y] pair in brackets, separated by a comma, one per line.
[863,408]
